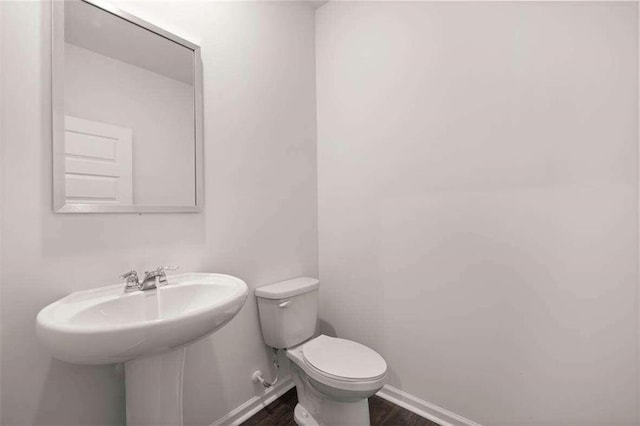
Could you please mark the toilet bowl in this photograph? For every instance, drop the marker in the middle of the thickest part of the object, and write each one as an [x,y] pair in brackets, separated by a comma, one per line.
[333,376]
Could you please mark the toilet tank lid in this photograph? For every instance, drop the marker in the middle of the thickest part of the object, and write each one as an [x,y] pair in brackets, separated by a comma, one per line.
[289,288]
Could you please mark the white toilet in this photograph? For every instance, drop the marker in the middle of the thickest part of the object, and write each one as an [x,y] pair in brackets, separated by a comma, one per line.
[333,377]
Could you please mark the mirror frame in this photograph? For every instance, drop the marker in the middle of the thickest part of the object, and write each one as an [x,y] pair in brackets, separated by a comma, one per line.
[57,117]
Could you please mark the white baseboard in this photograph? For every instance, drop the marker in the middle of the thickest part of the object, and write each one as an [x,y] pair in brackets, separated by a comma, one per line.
[423,408]
[416,405]
[255,404]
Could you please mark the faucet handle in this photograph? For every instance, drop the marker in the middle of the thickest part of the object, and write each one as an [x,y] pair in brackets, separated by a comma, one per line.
[131,281]
[129,274]
[158,275]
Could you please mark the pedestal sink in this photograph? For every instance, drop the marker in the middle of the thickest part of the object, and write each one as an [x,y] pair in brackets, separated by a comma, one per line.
[147,330]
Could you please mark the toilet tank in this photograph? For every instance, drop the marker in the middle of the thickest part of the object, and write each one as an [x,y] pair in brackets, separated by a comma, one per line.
[288,311]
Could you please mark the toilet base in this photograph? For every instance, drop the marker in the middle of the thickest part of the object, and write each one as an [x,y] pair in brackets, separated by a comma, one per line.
[316,409]
[334,413]
[302,417]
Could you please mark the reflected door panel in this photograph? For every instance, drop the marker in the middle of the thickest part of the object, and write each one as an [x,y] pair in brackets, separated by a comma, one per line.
[98,162]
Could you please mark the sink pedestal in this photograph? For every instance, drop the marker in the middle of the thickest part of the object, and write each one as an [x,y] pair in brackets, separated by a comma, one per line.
[154,389]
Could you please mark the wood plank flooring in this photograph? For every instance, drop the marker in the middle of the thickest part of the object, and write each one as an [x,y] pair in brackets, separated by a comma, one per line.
[382,413]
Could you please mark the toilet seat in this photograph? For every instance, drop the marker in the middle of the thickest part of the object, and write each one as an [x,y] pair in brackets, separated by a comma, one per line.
[333,383]
[343,360]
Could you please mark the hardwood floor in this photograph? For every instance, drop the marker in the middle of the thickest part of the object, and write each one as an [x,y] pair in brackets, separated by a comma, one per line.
[382,413]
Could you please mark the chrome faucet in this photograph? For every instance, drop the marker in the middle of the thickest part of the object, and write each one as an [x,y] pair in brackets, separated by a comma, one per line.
[131,282]
[152,279]
[156,278]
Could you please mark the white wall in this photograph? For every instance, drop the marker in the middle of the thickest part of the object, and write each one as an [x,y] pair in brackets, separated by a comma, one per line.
[259,221]
[478,181]
[160,110]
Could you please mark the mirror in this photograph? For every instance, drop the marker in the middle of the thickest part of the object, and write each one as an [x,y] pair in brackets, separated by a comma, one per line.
[127,114]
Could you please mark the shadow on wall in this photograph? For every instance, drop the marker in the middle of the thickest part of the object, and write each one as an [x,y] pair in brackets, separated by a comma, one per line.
[269,373]
[202,361]
[325,327]
[205,370]
[71,386]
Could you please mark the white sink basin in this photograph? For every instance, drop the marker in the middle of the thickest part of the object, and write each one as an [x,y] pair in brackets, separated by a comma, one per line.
[106,325]
[147,330]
